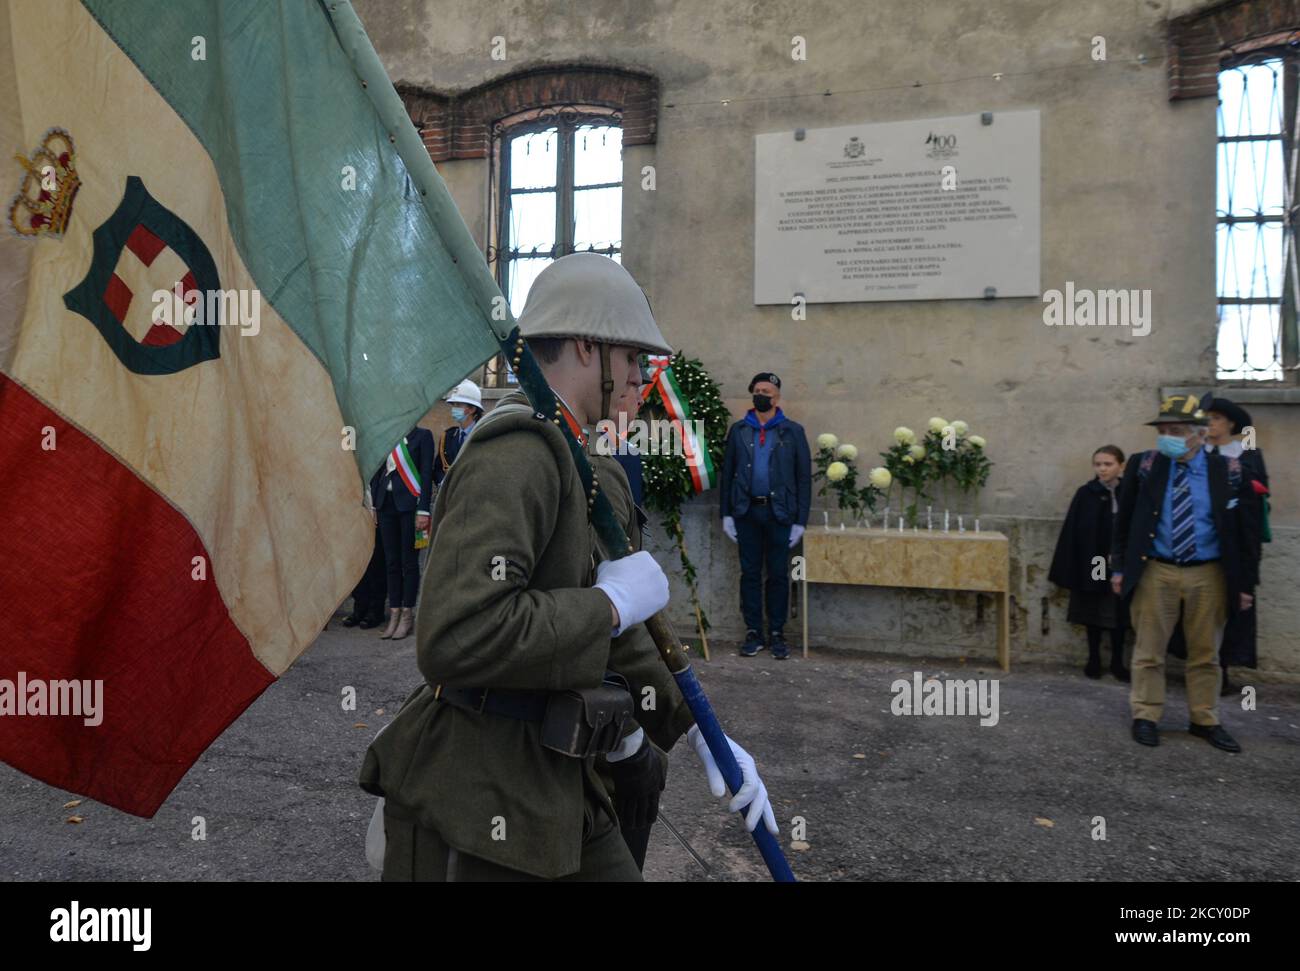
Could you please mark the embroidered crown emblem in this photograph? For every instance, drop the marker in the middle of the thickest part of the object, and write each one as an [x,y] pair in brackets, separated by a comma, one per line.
[44,200]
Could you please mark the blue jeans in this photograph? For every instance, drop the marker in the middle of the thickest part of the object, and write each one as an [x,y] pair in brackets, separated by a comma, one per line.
[762,541]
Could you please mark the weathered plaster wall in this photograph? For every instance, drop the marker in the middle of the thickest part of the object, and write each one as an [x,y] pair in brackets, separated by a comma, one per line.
[1127,201]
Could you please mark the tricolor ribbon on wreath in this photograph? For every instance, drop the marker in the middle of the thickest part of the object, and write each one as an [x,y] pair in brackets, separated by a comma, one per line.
[703,473]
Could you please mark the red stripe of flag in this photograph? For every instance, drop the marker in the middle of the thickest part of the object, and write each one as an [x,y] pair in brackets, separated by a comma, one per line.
[96,582]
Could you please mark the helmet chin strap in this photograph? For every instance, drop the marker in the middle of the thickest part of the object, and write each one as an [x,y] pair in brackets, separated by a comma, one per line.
[606,383]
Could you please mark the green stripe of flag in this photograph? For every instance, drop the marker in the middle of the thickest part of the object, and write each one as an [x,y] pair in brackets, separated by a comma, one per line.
[361,275]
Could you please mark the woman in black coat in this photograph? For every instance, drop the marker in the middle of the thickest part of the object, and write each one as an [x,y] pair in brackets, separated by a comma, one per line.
[1080,562]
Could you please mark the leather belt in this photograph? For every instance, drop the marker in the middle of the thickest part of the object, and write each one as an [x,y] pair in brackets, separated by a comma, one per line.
[1161,559]
[525,706]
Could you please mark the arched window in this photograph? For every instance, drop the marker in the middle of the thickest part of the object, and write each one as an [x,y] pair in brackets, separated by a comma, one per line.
[1247,54]
[554,138]
[1255,251]
[558,190]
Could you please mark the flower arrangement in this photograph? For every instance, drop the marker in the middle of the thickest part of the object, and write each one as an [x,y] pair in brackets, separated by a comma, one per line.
[947,457]
[836,466]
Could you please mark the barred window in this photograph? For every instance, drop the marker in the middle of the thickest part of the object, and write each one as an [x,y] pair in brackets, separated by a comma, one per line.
[1256,260]
[559,191]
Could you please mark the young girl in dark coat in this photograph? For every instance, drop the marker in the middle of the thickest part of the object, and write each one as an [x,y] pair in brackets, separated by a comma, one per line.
[1085,536]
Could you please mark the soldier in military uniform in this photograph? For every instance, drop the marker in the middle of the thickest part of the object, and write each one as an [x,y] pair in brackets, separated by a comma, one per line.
[526,620]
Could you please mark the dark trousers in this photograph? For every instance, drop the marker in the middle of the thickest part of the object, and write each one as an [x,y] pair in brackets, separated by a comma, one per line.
[763,541]
[368,596]
[400,555]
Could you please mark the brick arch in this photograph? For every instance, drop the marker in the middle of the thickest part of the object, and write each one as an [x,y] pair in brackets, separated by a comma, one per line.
[1199,42]
[459,125]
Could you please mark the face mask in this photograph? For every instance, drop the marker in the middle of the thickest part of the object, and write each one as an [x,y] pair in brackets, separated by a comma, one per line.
[1171,445]
[458,413]
[762,402]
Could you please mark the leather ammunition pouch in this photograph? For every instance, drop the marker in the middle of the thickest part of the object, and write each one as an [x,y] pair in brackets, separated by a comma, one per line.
[578,723]
[587,722]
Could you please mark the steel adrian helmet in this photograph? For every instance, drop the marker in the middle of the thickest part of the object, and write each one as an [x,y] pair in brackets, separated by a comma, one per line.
[587,295]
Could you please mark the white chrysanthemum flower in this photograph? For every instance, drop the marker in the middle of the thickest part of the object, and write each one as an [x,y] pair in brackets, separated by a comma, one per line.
[849,452]
[917,452]
[836,471]
[880,477]
[827,440]
[904,435]
[961,428]
[977,441]
[936,424]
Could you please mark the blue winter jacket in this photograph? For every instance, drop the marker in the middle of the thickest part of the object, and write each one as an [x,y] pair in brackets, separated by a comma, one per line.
[790,470]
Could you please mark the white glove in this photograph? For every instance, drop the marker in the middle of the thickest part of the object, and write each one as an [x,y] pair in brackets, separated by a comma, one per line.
[795,532]
[635,585]
[752,791]
[729,527]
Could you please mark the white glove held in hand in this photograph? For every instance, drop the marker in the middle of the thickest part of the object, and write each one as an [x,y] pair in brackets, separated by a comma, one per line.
[752,791]
[796,532]
[635,585]
[729,527]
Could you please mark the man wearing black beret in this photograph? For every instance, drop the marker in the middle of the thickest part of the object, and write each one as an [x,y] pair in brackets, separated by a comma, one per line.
[766,492]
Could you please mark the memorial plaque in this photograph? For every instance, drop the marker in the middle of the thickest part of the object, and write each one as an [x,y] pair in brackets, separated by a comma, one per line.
[942,208]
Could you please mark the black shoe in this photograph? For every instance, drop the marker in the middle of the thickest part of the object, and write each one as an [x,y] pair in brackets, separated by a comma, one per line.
[1093,668]
[753,644]
[1121,673]
[367,623]
[1145,732]
[351,620]
[780,649]
[1216,735]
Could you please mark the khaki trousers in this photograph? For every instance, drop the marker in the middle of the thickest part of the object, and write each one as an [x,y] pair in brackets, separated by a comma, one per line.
[1201,592]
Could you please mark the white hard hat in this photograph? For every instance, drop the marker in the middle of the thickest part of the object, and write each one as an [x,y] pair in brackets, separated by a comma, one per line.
[588,295]
[466,393]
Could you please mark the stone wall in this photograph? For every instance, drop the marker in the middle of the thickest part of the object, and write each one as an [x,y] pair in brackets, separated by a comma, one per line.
[1128,197]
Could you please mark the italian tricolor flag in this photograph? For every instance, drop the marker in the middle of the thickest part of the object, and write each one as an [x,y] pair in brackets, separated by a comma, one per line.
[226,291]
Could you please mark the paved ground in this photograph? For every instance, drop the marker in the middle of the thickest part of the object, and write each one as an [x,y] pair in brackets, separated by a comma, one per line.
[883,796]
